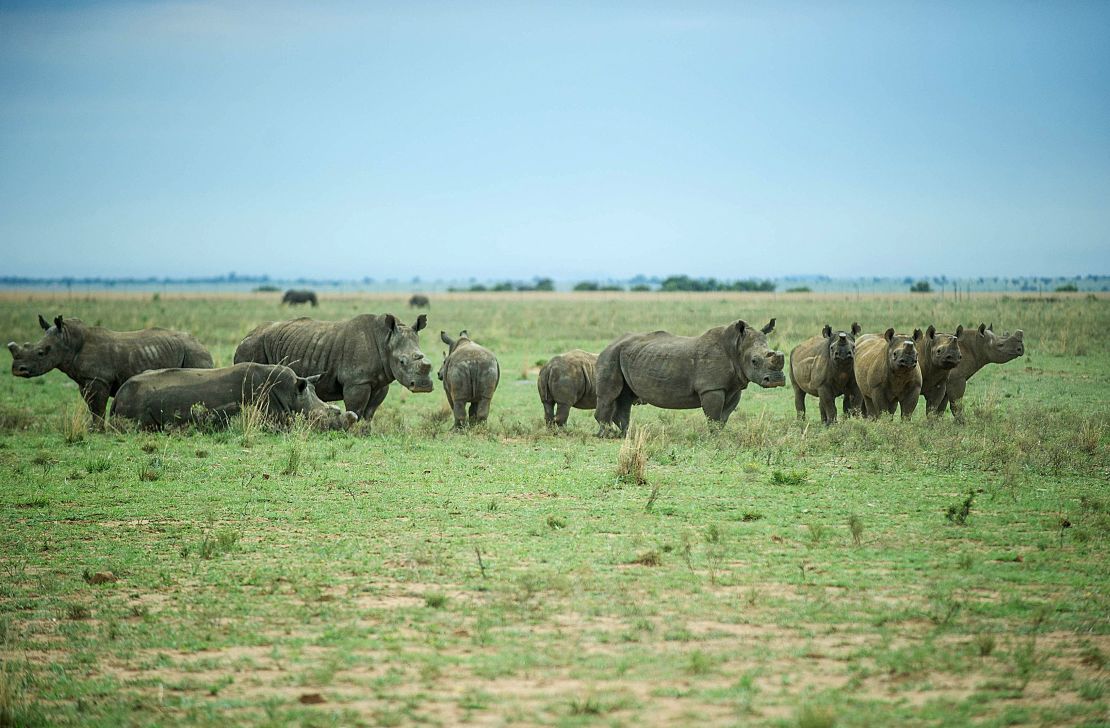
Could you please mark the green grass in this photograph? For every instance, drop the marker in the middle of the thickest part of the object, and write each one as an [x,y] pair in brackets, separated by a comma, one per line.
[774,573]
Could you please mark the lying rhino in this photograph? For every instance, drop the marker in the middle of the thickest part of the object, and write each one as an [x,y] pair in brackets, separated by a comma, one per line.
[356,359]
[684,372]
[419,300]
[567,381]
[100,360]
[887,373]
[294,297]
[978,347]
[937,355]
[166,397]
[824,367]
[469,374]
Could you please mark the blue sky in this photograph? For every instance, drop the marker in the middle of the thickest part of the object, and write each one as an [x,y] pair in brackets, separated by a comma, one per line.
[567,139]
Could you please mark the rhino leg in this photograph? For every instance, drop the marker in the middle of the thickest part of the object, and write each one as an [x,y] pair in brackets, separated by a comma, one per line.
[828,406]
[713,405]
[479,410]
[934,401]
[364,401]
[623,412]
[853,401]
[562,415]
[800,402]
[458,407]
[908,404]
[548,413]
[95,394]
[730,407]
[953,398]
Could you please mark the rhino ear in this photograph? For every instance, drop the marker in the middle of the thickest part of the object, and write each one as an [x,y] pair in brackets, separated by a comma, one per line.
[58,322]
[391,322]
[446,339]
[769,327]
[741,326]
[889,334]
[464,334]
[42,323]
[959,330]
[302,384]
[421,322]
[931,332]
[982,329]
[917,334]
[827,331]
[991,327]
[856,328]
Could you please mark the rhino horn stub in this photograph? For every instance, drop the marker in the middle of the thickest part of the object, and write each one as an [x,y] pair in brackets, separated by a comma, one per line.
[13,348]
[42,323]
[1019,335]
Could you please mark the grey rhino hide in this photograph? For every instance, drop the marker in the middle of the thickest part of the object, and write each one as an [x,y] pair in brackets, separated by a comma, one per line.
[567,381]
[470,374]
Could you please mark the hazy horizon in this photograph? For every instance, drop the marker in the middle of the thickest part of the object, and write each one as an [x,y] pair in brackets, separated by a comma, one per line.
[576,141]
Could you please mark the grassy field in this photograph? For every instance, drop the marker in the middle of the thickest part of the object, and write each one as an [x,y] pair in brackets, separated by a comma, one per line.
[776,573]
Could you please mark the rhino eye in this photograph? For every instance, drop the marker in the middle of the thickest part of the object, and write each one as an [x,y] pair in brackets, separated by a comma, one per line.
[44,351]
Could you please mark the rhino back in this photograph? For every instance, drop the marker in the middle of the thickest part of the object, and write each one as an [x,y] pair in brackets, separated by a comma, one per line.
[472,373]
[334,350]
[809,364]
[116,356]
[661,368]
[871,363]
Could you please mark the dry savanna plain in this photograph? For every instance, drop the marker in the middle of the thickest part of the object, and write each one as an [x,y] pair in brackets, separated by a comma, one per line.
[775,573]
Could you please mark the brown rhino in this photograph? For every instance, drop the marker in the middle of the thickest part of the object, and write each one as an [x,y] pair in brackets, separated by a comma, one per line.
[470,373]
[567,381]
[887,373]
[684,372]
[101,360]
[294,297]
[937,355]
[356,359]
[824,367]
[978,347]
[165,397]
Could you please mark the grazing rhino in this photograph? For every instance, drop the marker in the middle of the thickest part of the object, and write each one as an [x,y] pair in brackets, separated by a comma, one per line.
[978,347]
[419,301]
[470,373]
[567,381]
[887,373]
[101,360]
[165,397]
[937,355]
[684,372]
[356,359]
[824,367]
[294,297]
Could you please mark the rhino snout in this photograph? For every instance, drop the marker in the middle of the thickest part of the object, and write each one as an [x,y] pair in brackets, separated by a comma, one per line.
[773,379]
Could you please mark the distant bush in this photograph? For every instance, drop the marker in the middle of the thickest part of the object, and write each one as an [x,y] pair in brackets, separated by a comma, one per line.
[267,289]
[477,287]
[921,287]
[502,286]
[545,284]
[611,288]
[1067,288]
[799,289]
[686,283]
[640,288]
[586,286]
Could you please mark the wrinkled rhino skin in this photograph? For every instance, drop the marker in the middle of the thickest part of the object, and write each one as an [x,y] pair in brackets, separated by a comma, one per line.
[419,301]
[978,347]
[824,367]
[356,359]
[470,374]
[567,381]
[937,355]
[294,297]
[100,360]
[684,372]
[167,397]
[887,373]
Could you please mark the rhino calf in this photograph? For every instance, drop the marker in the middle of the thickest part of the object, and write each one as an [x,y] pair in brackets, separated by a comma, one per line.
[100,360]
[978,347]
[167,397]
[824,367]
[937,355]
[567,381]
[470,374]
[887,373]
[294,297]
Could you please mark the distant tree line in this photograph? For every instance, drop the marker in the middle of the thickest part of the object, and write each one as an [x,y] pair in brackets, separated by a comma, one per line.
[686,283]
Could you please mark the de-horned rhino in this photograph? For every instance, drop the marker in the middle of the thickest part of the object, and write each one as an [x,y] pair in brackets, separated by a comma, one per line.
[887,373]
[824,367]
[101,360]
[470,374]
[567,380]
[684,372]
[937,355]
[167,397]
[978,347]
[356,359]
[294,297]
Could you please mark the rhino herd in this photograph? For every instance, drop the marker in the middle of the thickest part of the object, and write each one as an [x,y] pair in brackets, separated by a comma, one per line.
[161,378]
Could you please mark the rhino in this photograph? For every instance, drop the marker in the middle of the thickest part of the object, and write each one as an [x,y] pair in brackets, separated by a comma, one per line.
[356,359]
[294,297]
[937,355]
[887,373]
[684,372]
[419,300]
[100,360]
[165,397]
[824,367]
[470,373]
[567,381]
[978,347]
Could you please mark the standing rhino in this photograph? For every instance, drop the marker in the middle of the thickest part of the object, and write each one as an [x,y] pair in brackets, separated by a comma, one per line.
[937,355]
[978,347]
[469,374]
[568,381]
[824,367]
[887,373]
[356,359]
[165,397]
[419,300]
[100,360]
[294,297]
[684,372]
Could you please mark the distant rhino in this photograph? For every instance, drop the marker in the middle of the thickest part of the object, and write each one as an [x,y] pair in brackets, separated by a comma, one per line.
[567,380]
[419,301]
[978,347]
[684,372]
[294,297]
[937,355]
[887,373]
[356,359]
[166,397]
[470,374]
[824,367]
[101,360]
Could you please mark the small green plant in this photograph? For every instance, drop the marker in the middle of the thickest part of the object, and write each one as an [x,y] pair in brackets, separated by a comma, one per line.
[789,477]
[556,523]
[150,470]
[292,457]
[816,716]
[435,600]
[958,512]
[965,561]
[652,497]
[1092,690]
[816,532]
[77,611]
[648,558]
[699,663]
[984,644]
[855,525]
[97,464]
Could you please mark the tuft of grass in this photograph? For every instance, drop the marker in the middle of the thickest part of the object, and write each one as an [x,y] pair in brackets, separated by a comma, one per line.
[984,644]
[99,464]
[13,419]
[151,470]
[816,716]
[435,600]
[958,512]
[648,558]
[789,477]
[74,422]
[632,458]
[77,611]
[855,525]
[699,663]
[556,522]
[816,532]
[293,457]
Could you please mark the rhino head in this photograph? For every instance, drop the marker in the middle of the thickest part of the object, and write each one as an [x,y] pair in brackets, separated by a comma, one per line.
[943,350]
[901,351]
[52,350]
[753,359]
[409,365]
[999,349]
[320,414]
[842,344]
